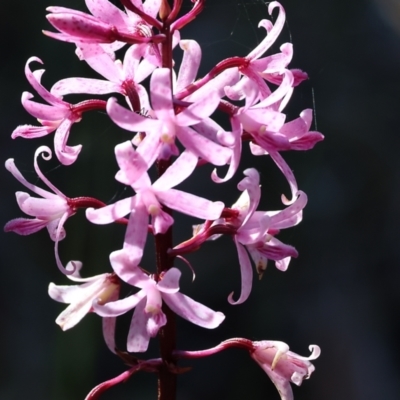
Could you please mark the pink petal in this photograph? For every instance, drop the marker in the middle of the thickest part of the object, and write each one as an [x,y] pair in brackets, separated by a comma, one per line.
[110,213]
[42,111]
[84,85]
[138,336]
[65,154]
[127,271]
[192,311]
[34,80]
[190,63]
[199,110]
[190,204]
[24,226]
[118,307]
[176,173]
[161,95]
[272,34]
[246,272]
[109,325]
[107,12]
[136,234]
[131,163]
[291,215]
[41,208]
[201,146]
[129,120]
[236,153]
[31,132]
[170,281]
[10,166]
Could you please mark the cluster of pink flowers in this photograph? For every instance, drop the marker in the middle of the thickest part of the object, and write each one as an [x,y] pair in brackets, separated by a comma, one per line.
[169,126]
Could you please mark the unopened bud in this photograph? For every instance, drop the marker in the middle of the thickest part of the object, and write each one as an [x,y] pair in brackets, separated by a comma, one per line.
[165,10]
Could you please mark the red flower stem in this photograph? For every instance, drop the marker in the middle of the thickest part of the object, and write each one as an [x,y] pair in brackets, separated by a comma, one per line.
[220,67]
[148,18]
[167,334]
[234,342]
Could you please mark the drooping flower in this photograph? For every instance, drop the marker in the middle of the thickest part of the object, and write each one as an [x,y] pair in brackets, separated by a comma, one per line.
[252,231]
[283,366]
[148,316]
[100,288]
[59,116]
[256,230]
[50,211]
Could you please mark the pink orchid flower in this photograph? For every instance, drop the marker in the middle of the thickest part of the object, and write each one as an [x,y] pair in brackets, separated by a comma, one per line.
[148,316]
[264,122]
[283,366]
[149,198]
[164,125]
[255,232]
[107,25]
[271,68]
[50,211]
[100,288]
[58,116]
[121,77]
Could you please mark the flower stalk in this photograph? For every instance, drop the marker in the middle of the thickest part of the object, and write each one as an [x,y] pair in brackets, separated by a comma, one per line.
[170,127]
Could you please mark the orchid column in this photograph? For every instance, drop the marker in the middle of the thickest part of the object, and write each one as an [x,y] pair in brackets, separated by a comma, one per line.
[168,120]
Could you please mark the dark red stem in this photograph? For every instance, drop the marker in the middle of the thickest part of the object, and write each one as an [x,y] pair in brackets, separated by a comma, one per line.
[167,379]
[149,19]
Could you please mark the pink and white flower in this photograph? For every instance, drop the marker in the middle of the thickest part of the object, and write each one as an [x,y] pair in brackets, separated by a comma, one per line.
[50,211]
[254,232]
[164,125]
[121,77]
[59,116]
[148,316]
[149,198]
[100,288]
[283,366]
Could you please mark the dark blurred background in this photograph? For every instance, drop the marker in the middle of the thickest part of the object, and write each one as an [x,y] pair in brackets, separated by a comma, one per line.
[342,293]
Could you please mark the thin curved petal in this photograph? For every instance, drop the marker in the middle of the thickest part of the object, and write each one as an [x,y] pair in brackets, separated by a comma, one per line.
[138,336]
[203,147]
[119,307]
[170,281]
[126,270]
[136,233]
[42,111]
[246,272]
[131,163]
[129,120]
[161,96]
[112,212]
[65,154]
[107,12]
[176,173]
[34,80]
[192,311]
[84,85]
[31,132]
[190,63]
[199,110]
[25,226]
[272,33]
[190,204]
